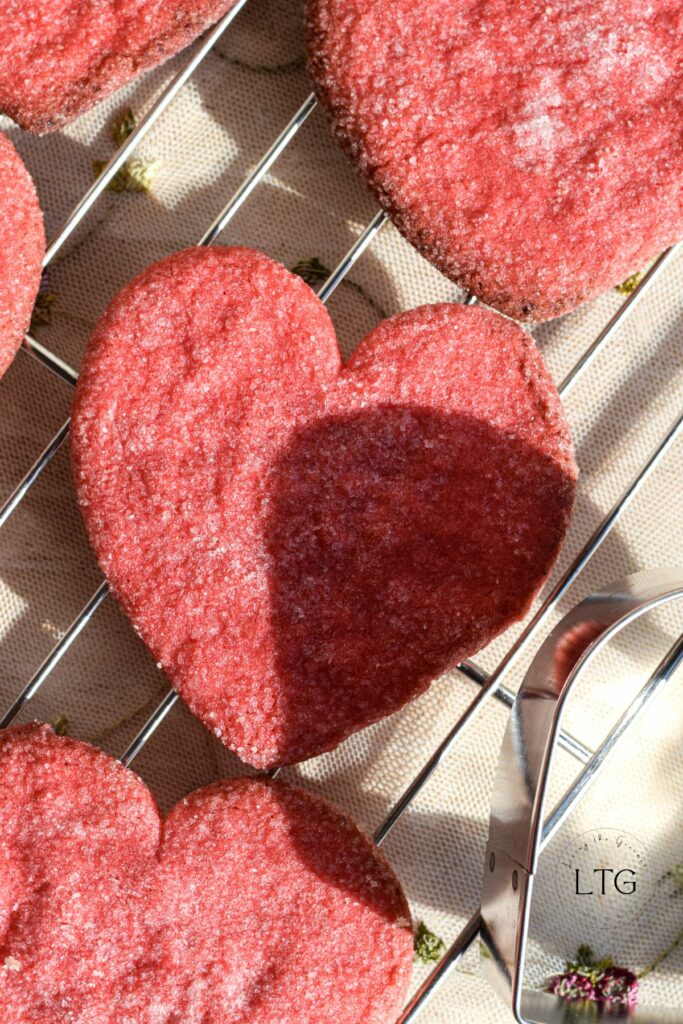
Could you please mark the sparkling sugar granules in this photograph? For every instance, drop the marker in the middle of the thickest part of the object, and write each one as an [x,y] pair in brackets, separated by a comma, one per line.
[22,246]
[302,547]
[62,56]
[251,901]
[532,151]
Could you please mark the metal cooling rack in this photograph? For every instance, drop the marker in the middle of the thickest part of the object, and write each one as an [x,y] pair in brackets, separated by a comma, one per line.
[491,684]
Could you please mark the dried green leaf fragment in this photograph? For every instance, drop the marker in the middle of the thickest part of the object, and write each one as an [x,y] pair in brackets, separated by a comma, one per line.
[429,948]
[122,126]
[630,284]
[42,311]
[61,725]
[136,174]
[676,872]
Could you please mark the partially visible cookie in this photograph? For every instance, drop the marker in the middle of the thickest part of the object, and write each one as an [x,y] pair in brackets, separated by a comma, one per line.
[22,247]
[303,546]
[532,151]
[60,57]
[251,901]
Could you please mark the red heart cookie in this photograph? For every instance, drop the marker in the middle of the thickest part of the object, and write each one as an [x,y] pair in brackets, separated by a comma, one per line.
[532,151]
[60,57]
[305,547]
[22,247]
[251,901]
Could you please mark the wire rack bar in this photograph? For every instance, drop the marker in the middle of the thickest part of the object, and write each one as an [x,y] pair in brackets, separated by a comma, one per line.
[43,460]
[150,727]
[45,357]
[506,696]
[55,655]
[352,256]
[661,675]
[91,196]
[624,310]
[260,170]
[431,985]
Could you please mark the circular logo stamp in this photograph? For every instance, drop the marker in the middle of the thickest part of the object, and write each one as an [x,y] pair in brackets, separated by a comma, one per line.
[605,876]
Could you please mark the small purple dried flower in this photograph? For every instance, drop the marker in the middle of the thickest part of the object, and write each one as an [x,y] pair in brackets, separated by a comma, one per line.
[571,986]
[618,987]
[44,286]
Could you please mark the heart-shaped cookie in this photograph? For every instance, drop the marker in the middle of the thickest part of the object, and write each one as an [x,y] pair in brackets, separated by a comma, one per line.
[60,57]
[251,901]
[303,547]
[532,151]
[22,247]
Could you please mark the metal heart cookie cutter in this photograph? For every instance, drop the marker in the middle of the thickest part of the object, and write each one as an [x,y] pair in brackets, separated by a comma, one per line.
[517,829]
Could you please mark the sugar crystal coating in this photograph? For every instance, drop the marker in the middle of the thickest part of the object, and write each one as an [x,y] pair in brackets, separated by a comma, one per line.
[532,151]
[251,902]
[59,57]
[22,246]
[302,547]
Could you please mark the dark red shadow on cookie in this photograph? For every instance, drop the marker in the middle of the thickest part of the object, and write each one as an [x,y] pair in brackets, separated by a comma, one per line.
[305,546]
[400,540]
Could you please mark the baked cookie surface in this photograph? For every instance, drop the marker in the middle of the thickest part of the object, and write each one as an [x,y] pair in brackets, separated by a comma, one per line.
[532,151]
[303,546]
[22,247]
[249,901]
[63,56]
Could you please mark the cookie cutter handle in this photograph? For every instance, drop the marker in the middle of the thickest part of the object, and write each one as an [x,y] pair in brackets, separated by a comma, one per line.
[516,821]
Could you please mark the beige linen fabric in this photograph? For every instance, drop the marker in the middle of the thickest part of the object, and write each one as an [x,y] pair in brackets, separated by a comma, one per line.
[312,204]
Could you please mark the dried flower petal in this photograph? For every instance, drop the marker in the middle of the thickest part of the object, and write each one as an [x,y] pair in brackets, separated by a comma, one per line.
[618,987]
[572,986]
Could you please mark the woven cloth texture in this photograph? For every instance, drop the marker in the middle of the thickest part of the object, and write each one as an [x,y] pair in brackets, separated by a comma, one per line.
[312,204]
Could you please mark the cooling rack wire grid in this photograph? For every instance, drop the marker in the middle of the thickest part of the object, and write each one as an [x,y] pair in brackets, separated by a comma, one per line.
[492,686]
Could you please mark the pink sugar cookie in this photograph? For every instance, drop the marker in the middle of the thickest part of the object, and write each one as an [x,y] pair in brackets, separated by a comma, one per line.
[532,151]
[305,547]
[22,247]
[60,57]
[251,901]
